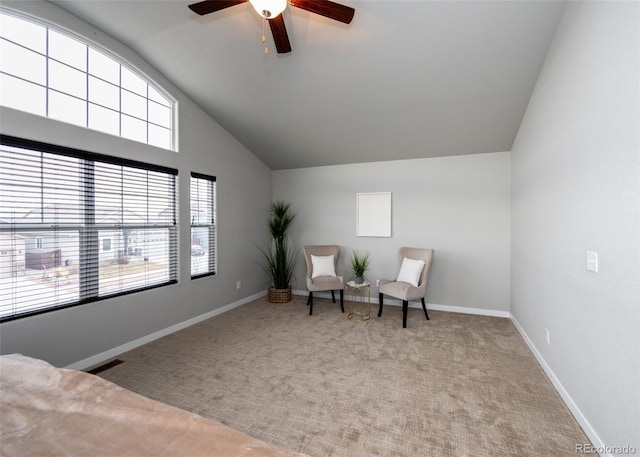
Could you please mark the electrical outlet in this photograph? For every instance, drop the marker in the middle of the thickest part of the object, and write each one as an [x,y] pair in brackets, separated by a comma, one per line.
[238,285]
[377,283]
[547,335]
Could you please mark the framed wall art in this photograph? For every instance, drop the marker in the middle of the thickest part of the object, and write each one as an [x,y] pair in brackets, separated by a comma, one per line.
[373,214]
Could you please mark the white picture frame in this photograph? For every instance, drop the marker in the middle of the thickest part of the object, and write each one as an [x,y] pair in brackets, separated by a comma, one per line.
[373,214]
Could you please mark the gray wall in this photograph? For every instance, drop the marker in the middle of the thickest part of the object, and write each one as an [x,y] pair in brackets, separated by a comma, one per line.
[576,187]
[457,205]
[244,193]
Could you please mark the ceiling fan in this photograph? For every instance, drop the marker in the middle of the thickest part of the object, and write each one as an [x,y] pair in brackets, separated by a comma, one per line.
[271,11]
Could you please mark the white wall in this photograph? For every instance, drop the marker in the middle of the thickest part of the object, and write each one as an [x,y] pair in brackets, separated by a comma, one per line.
[244,192]
[458,206]
[576,187]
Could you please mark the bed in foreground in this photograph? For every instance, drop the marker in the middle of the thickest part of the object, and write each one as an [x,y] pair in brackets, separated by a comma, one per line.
[52,411]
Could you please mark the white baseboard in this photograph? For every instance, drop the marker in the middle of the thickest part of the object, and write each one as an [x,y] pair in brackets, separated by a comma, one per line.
[582,420]
[433,306]
[111,353]
[465,310]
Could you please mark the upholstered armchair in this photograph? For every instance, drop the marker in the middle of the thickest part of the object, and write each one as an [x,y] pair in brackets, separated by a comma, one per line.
[411,283]
[321,272]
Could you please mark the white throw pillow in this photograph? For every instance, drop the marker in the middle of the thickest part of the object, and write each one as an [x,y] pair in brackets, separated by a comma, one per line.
[322,265]
[410,271]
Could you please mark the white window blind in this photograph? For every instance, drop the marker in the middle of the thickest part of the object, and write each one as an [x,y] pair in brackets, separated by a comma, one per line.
[76,227]
[203,225]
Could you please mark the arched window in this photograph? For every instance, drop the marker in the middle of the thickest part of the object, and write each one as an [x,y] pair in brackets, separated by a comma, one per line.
[48,72]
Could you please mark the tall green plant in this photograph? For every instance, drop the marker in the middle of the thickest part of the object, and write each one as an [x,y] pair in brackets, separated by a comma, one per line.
[280,258]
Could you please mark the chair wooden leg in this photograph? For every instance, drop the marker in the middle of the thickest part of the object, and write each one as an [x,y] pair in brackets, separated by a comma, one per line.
[333,296]
[342,299]
[405,307]
[380,300]
[425,309]
[309,298]
[310,303]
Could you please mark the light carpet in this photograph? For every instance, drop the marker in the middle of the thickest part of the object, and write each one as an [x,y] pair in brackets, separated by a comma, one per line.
[323,385]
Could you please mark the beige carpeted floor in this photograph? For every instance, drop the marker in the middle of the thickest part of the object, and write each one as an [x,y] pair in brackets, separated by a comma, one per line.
[457,385]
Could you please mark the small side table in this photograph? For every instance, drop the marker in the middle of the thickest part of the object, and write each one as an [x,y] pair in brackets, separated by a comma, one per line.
[358,300]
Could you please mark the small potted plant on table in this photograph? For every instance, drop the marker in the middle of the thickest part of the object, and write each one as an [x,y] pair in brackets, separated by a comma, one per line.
[359,264]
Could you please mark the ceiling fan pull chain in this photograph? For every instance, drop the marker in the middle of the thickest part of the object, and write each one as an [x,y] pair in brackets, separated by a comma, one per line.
[264,38]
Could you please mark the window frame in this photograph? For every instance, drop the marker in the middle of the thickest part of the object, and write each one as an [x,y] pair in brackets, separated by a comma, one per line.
[211,226]
[88,229]
[153,94]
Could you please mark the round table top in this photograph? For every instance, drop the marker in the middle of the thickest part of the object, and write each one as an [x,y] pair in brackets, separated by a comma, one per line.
[355,284]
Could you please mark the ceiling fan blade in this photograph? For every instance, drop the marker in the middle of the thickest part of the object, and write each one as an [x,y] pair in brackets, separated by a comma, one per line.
[211,6]
[279,32]
[326,8]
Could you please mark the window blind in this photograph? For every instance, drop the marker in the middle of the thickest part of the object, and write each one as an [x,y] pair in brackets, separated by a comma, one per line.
[203,225]
[76,227]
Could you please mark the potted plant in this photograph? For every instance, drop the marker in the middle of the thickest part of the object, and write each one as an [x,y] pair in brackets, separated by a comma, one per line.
[279,258]
[359,264]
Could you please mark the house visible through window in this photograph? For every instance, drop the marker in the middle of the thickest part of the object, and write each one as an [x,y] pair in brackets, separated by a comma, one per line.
[76,227]
[50,73]
[203,225]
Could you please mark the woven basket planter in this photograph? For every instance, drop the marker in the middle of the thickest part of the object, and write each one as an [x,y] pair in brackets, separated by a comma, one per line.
[279,295]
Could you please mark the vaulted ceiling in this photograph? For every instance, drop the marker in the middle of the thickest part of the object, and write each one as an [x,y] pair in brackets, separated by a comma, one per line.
[406,79]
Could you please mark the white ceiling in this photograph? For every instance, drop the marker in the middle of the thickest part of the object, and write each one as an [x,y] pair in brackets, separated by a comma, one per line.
[406,79]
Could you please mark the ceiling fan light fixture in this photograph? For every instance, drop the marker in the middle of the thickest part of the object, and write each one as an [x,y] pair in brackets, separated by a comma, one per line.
[269,9]
[271,12]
